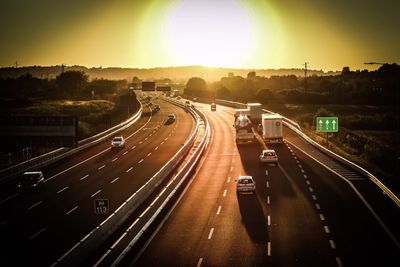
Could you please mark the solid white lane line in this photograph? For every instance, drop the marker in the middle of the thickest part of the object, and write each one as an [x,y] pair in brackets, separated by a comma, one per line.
[34,205]
[229,179]
[311,189]
[128,170]
[101,167]
[339,262]
[114,180]
[226,190]
[269,220]
[199,262]
[317,206]
[124,153]
[38,233]
[74,208]
[98,191]
[148,155]
[114,159]
[84,177]
[211,233]
[118,240]
[326,228]
[314,197]
[144,212]
[133,224]
[219,210]
[332,243]
[322,217]
[140,161]
[268,200]
[269,249]
[8,198]
[65,188]
[266,172]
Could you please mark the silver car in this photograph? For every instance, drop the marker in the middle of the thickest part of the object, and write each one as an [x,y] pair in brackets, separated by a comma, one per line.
[118,142]
[269,156]
[245,184]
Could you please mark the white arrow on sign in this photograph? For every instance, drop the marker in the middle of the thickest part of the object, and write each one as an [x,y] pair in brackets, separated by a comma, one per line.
[327,124]
[320,124]
[334,124]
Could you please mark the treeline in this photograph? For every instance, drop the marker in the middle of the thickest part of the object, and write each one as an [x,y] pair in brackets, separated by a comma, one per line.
[380,87]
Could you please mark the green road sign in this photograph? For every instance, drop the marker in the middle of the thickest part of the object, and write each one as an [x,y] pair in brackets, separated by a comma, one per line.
[327,124]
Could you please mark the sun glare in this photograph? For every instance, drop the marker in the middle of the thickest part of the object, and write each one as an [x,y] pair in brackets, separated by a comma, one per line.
[210,33]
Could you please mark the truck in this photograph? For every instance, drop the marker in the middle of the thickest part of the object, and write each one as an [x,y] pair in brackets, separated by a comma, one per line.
[255,112]
[243,129]
[272,131]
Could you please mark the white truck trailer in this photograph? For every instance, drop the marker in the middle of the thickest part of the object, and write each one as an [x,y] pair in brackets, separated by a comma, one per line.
[255,112]
[272,130]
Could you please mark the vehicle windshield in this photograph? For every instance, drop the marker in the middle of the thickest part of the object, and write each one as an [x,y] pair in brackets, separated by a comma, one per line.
[245,181]
[269,154]
[29,178]
[118,139]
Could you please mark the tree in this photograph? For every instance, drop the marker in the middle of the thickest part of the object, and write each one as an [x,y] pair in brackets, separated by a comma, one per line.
[196,86]
[72,82]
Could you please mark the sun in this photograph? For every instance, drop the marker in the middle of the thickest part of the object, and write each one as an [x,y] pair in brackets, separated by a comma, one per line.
[209,33]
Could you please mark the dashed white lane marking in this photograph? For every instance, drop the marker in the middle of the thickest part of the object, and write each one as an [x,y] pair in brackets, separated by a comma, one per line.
[71,210]
[38,233]
[339,262]
[148,155]
[297,161]
[140,142]
[8,198]
[124,153]
[84,177]
[114,180]
[266,172]
[101,167]
[199,262]
[300,166]
[269,220]
[308,182]
[267,184]
[231,168]
[311,189]
[295,157]
[128,170]
[305,176]
[314,197]
[145,139]
[219,210]
[233,160]
[156,148]
[140,161]
[269,249]
[166,139]
[211,233]
[268,200]
[34,205]
[317,206]
[114,159]
[326,228]
[162,143]
[332,243]
[229,179]
[225,191]
[133,147]
[65,188]
[98,191]
[302,170]
[322,217]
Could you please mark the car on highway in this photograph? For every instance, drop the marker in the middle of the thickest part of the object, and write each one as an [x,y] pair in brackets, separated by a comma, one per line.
[171,117]
[187,103]
[30,180]
[245,184]
[118,142]
[269,156]
[156,107]
[213,107]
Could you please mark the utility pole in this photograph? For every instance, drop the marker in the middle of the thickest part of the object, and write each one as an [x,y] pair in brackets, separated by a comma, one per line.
[305,76]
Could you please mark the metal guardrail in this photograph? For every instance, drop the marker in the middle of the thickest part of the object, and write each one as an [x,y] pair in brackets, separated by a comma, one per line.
[55,155]
[296,128]
[78,253]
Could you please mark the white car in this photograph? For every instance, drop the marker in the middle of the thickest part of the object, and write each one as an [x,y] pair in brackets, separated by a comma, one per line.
[245,184]
[118,141]
[269,156]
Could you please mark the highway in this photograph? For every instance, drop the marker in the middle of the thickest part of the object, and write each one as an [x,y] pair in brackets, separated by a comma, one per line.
[301,215]
[37,228]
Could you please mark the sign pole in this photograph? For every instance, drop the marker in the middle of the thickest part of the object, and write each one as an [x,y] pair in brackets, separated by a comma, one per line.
[327,141]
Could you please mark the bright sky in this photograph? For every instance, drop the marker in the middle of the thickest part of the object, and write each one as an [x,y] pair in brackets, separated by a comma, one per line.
[220,33]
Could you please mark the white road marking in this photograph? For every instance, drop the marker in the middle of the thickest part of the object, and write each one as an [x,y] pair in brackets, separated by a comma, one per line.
[8,198]
[229,179]
[269,249]
[114,159]
[84,177]
[128,170]
[199,262]
[156,148]
[65,188]
[295,157]
[145,139]
[311,189]
[326,228]
[98,191]
[300,166]
[268,200]
[231,168]
[133,147]
[305,176]
[34,205]
[211,233]
[267,184]
[124,153]
[266,172]
[148,155]
[314,197]
[308,182]
[269,220]
[140,161]
[101,167]
[74,208]
[38,233]
[140,142]
[162,143]
[322,217]
[332,243]
[317,206]
[302,170]
[297,161]
[339,262]
[233,160]
[114,180]
[225,191]
[219,210]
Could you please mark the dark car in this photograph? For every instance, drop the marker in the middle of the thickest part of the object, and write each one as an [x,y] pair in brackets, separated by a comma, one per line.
[31,180]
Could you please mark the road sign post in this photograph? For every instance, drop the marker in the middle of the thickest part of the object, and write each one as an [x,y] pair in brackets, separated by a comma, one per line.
[327,125]
[101,206]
